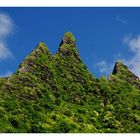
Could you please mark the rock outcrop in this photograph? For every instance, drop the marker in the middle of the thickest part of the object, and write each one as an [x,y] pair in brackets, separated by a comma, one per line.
[121,71]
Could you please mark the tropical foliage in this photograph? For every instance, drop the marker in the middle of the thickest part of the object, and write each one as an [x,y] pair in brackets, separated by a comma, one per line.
[57,94]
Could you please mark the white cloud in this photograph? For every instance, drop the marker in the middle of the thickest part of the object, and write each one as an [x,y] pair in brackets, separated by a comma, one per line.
[134,46]
[121,20]
[4,52]
[104,67]
[6,26]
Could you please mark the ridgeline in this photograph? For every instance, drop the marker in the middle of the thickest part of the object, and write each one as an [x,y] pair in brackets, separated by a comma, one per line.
[57,94]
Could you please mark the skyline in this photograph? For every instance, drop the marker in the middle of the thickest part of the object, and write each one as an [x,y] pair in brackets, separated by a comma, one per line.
[104,35]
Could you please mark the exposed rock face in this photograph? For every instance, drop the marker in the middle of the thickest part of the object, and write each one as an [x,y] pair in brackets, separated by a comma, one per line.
[122,72]
[118,67]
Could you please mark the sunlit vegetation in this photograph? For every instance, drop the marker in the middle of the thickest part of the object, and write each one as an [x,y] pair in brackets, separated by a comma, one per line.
[57,94]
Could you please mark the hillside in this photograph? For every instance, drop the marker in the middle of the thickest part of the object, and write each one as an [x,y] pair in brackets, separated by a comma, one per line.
[57,94]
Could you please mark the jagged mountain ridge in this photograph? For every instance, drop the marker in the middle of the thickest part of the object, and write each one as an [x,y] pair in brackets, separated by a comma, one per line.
[57,93]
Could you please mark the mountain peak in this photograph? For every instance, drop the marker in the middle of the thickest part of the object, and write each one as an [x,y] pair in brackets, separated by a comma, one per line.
[68,47]
[42,48]
[57,94]
[119,67]
[29,62]
[122,72]
[68,38]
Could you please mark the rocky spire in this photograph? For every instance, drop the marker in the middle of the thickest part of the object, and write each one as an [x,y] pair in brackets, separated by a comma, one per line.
[67,46]
[121,71]
[119,68]
[68,38]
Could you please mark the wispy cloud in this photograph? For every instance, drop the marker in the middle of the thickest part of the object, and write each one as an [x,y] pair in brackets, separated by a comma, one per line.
[134,45]
[6,26]
[4,51]
[7,74]
[120,19]
[104,67]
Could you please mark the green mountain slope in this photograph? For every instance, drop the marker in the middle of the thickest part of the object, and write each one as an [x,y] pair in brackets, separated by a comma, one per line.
[56,93]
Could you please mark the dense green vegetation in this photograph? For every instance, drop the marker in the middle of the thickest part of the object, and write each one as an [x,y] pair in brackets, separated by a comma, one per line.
[56,93]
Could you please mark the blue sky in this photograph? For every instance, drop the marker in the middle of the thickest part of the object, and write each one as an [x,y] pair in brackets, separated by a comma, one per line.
[104,35]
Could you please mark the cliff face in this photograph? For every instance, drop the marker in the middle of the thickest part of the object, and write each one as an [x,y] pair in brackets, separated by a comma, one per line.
[57,93]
